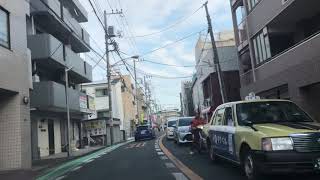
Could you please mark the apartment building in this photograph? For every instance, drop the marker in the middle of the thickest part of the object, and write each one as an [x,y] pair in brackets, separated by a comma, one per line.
[187,107]
[55,38]
[128,106]
[15,83]
[205,84]
[99,91]
[278,53]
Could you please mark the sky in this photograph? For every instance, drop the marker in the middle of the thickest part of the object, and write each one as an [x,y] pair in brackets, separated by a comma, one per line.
[145,17]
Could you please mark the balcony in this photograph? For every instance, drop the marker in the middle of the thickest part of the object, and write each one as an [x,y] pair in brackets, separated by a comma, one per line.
[47,51]
[80,13]
[81,71]
[50,96]
[246,78]
[48,15]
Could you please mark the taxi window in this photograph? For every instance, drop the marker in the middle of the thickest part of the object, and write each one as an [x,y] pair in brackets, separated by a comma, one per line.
[218,118]
[228,119]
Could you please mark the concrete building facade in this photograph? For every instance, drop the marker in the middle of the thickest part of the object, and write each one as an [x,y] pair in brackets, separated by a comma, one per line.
[187,107]
[205,84]
[15,83]
[55,38]
[278,53]
[99,91]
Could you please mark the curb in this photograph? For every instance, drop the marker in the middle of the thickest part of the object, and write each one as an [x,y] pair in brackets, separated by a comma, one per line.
[183,168]
[64,168]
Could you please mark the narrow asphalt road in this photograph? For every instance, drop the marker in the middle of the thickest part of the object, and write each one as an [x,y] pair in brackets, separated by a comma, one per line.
[201,165]
[136,160]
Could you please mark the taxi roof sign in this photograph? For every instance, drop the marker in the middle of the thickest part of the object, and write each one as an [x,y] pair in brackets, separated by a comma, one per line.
[252,96]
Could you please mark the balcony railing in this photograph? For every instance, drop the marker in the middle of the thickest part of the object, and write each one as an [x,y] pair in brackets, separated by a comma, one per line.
[81,69]
[50,96]
[46,49]
[80,13]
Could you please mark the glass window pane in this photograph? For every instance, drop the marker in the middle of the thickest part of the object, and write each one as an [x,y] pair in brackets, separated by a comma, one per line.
[4,31]
[249,5]
[266,40]
[263,47]
[259,49]
[255,51]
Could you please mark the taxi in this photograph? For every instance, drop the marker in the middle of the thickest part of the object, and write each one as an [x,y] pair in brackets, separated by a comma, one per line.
[264,136]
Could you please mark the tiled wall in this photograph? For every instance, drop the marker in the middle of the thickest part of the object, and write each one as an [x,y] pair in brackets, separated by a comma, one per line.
[10,133]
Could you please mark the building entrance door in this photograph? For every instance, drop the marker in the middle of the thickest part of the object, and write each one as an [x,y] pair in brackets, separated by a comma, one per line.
[51,136]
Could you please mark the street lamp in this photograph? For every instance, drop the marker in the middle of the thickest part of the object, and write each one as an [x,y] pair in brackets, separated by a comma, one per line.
[66,70]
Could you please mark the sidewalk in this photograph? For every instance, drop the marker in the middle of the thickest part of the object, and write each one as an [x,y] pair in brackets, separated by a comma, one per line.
[41,166]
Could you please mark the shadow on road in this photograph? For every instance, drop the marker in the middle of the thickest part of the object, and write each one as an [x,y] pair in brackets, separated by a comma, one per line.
[221,169]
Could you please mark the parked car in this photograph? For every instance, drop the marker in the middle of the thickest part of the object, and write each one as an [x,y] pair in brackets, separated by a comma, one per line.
[171,123]
[265,136]
[144,132]
[182,130]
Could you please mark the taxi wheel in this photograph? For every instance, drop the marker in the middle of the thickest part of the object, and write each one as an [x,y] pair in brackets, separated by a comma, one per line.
[249,167]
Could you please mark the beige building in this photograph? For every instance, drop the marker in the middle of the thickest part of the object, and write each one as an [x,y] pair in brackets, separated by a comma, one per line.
[128,105]
[15,82]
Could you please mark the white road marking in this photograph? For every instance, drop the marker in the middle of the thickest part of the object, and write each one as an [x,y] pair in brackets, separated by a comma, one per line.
[160,153]
[157,149]
[89,160]
[74,169]
[170,165]
[163,157]
[179,176]
[61,177]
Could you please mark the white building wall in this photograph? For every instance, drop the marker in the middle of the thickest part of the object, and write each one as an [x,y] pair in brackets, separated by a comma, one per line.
[117,103]
[57,137]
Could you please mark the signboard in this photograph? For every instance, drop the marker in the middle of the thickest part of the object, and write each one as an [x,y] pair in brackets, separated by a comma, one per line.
[95,128]
[92,104]
[83,103]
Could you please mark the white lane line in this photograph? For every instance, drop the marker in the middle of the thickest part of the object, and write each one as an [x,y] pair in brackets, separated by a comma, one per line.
[157,149]
[179,176]
[143,144]
[61,177]
[74,169]
[89,160]
[160,153]
[163,157]
[170,165]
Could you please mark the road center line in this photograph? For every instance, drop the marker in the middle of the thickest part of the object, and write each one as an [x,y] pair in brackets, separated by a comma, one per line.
[179,176]
[188,172]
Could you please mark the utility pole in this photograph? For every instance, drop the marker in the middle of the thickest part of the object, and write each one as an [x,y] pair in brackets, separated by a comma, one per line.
[108,77]
[146,95]
[136,86]
[68,109]
[217,66]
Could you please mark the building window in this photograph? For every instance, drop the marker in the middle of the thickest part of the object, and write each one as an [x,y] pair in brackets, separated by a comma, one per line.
[103,114]
[101,92]
[4,28]
[85,67]
[252,4]
[261,47]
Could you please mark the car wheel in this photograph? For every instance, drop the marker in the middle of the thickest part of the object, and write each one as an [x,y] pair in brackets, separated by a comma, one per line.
[249,167]
[212,155]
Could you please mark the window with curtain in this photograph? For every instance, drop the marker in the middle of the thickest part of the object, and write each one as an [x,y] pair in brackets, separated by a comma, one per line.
[261,47]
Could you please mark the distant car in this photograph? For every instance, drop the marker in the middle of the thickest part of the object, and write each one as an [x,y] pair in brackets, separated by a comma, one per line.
[182,133]
[171,123]
[144,132]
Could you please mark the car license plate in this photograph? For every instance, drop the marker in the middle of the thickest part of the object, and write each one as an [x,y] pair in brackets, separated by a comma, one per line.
[143,132]
[317,164]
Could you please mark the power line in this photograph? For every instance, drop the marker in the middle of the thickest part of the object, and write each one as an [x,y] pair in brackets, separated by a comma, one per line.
[95,12]
[181,39]
[170,26]
[159,76]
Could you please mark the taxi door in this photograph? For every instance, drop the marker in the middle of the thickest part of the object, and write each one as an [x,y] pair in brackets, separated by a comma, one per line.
[222,133]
